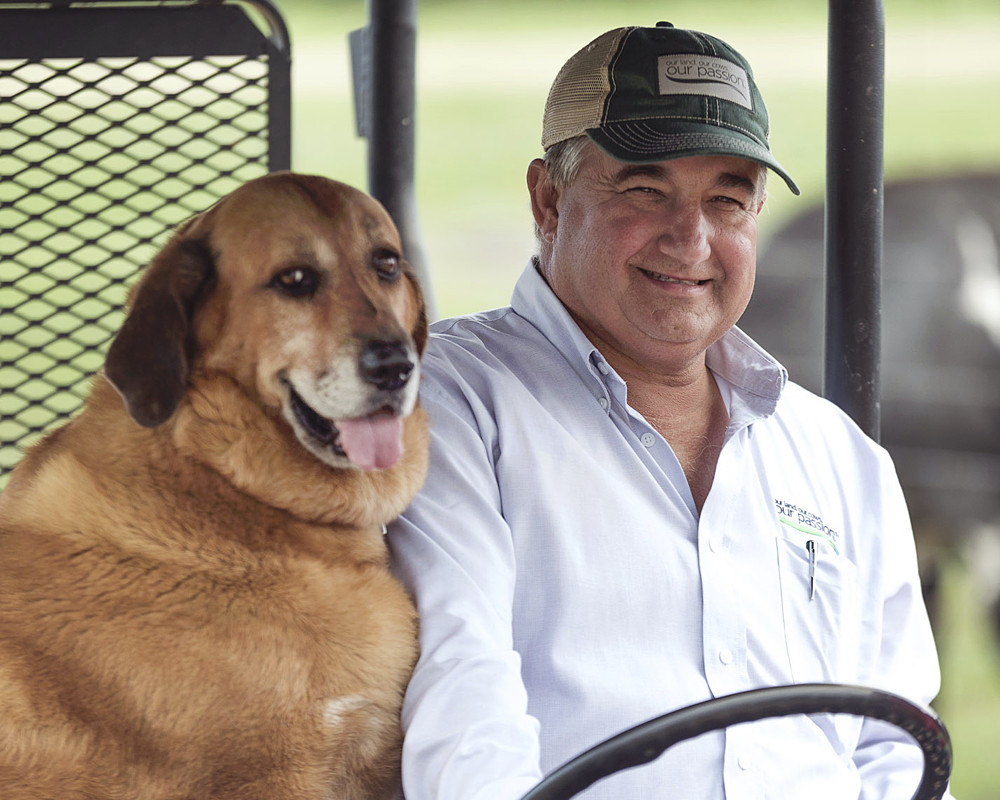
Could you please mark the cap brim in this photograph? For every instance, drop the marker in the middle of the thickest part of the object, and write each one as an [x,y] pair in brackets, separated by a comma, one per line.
[641,142]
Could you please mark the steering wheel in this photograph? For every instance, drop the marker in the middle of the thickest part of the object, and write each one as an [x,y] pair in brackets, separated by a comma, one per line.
[648,740]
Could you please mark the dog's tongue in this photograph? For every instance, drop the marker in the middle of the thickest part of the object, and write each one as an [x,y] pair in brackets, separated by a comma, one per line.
[374,442]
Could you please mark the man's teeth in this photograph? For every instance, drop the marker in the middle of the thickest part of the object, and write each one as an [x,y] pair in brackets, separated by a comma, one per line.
[667,279]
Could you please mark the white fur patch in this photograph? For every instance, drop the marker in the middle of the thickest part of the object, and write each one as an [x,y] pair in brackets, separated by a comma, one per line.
[336,711]
[340,391]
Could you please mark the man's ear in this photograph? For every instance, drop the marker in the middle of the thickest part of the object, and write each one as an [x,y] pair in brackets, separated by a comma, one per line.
[544,199]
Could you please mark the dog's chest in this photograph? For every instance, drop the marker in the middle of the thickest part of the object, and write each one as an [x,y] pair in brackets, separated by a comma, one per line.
[318,667]
[306,630]
[279,672]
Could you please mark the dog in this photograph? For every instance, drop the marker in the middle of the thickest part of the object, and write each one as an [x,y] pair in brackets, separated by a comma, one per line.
[194,593]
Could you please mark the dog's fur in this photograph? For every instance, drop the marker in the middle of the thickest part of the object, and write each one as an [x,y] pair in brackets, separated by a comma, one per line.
[194,597]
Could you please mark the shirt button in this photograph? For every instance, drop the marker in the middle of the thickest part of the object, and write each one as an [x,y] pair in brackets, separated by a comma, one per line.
[744,762]
[726,656]
[602,367]
[713,544]
[647,439]
[603,402]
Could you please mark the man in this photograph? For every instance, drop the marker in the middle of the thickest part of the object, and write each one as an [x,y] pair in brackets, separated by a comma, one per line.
[630,509]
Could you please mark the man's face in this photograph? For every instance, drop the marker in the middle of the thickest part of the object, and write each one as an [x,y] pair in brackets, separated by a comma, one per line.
[654,261]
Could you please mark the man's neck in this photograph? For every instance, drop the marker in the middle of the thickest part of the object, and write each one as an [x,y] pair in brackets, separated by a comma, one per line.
[691,415]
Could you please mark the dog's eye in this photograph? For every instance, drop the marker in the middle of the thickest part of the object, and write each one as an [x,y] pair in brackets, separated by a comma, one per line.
[296,281]
[386,264]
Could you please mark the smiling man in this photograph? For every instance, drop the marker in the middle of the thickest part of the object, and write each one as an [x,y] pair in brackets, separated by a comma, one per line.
[630,508]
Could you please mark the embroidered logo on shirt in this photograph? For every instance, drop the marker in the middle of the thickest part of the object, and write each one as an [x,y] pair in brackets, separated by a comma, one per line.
[807,522]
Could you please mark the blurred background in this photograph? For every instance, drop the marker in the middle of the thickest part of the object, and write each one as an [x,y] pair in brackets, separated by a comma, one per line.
[483,71]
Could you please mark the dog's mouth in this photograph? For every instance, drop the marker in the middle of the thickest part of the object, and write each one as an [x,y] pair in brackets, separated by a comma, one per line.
[315,424]
[373,441]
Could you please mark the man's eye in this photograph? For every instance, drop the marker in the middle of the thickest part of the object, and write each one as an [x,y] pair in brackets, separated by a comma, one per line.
[386,264]
[296,281]
[732,201]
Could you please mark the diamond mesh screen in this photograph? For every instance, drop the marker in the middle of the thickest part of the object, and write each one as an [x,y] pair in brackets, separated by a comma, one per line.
[98,160]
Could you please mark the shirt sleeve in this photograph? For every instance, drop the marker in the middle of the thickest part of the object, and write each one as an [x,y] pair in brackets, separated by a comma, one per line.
[888,763]
[467,732]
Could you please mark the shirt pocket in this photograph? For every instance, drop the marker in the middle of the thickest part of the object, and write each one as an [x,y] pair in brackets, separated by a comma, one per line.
[822,624]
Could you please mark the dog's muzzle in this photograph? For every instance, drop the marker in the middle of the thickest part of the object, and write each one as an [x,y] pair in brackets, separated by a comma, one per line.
[387,365]
[371,435]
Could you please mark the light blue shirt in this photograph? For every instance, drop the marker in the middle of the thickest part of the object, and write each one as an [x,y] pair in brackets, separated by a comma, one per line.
[568,589]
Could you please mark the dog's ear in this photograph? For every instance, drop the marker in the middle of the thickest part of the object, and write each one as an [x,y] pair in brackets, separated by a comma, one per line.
[148,360]
[419,332]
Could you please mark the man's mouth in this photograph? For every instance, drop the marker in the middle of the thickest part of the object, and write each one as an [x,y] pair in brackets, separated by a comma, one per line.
[656,276]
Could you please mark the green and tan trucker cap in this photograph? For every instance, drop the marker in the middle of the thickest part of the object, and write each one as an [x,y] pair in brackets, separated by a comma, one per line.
[653,94]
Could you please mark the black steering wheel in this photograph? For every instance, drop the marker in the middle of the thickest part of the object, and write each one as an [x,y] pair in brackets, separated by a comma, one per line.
[648,740]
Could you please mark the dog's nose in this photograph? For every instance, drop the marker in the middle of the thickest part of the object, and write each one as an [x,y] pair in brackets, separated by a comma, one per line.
[386,365]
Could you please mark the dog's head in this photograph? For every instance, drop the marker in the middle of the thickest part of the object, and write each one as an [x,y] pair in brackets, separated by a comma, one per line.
[295,287]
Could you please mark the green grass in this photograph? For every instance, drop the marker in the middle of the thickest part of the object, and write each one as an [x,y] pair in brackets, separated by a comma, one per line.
[969,702]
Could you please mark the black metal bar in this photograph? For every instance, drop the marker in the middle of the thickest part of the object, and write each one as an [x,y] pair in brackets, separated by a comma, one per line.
[279,76]
[126,31]
[277,31]
[391,49]
[854,208]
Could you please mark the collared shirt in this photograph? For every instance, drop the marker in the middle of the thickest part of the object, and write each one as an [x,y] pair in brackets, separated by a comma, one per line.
[568,588]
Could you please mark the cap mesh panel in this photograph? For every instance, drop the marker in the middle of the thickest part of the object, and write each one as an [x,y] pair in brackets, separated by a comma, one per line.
[576,99]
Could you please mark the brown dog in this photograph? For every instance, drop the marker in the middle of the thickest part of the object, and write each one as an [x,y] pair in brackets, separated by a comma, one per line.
[198,605]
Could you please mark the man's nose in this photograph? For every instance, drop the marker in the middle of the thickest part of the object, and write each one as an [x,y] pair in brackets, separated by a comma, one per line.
[686,234]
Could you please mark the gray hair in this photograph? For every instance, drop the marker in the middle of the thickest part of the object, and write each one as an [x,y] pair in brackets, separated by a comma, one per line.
[562,164]
[563,159]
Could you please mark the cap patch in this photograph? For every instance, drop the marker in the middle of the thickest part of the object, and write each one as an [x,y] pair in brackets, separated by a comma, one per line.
[690,73]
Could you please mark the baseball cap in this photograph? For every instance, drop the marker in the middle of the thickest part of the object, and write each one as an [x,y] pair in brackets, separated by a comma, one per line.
[652,94]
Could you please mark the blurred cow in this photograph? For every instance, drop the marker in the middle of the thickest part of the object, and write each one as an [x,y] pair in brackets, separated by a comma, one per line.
[940,357]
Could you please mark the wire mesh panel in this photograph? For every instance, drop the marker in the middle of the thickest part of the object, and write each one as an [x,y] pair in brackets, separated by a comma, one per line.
[100,156]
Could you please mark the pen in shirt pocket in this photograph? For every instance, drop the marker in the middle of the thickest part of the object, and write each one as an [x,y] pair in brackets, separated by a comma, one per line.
[811,551]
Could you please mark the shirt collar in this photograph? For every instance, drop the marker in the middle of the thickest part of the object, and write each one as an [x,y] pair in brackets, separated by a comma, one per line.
[534,300]
[753,374]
